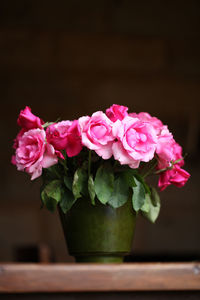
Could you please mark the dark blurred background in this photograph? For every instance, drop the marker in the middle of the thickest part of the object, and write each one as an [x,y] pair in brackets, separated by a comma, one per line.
[70,58]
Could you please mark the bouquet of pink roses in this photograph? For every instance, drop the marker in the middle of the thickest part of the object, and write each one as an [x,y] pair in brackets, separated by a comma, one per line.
[105,157]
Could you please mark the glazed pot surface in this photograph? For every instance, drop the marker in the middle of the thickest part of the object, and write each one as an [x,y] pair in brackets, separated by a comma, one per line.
[98,233]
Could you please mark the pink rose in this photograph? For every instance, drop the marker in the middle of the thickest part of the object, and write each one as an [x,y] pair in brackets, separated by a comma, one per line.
[136,141]
[177,154]
[176,176]
[168,150]
[16,140]
[96,132]
[57,134]
[116,112]
[65,135]
[27,120]
[33,153]
[164,148]
[146,117]
[74,142]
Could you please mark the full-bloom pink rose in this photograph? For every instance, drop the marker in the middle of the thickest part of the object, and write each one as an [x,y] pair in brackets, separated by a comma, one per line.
[146,117]
[65,135]
[96,132]
[33,153]
[136,141]
[176,176]
[116,112]
[27,120]
[16,140]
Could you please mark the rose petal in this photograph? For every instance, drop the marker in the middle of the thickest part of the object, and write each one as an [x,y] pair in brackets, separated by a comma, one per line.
[121,155]
[105,151]
[49,157]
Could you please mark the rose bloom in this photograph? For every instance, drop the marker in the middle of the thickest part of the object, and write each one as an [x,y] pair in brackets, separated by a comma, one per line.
[168,150]
[146,117]
[164,148]
[116,112]
[136,141]
[27,120]
[16,140]
[176,176]
[65,135]
[96,132]
[33,153]
[177,154]
[57,134]
[74,142]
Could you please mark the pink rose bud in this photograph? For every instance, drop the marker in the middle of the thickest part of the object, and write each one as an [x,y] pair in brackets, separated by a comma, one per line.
[33,153]
[27,120]
[116,112]
[136,141]
[97,134]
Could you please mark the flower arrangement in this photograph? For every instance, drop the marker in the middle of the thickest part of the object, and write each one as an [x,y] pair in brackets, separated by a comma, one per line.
[105,157]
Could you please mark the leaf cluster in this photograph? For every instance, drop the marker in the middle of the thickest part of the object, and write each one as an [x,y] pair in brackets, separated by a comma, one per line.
[98,180]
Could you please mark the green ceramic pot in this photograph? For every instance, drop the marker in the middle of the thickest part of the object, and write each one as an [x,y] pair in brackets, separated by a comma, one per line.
[98,233]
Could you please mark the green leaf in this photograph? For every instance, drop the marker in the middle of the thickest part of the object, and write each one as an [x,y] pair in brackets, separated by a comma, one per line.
[146,205]
[51,194]
[54,189]
[68,182]
[104,183]
[91,189]
[50,203]
[154,206]
[67,200]
[120,194]
[138,198]
[128,176]
[79,186]
[146,187]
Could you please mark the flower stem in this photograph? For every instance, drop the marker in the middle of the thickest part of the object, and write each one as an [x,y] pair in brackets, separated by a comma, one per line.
[57,174]
[170,167]
[63,162]
[89,162]
[163,170]
[150,169]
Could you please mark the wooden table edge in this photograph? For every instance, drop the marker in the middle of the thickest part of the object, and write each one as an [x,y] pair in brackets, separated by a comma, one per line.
[61,278]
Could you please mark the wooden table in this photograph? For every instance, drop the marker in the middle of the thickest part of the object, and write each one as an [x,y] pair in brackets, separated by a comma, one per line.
[135,278]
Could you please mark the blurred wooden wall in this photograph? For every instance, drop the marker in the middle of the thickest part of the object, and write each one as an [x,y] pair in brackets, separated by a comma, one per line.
[70,58]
